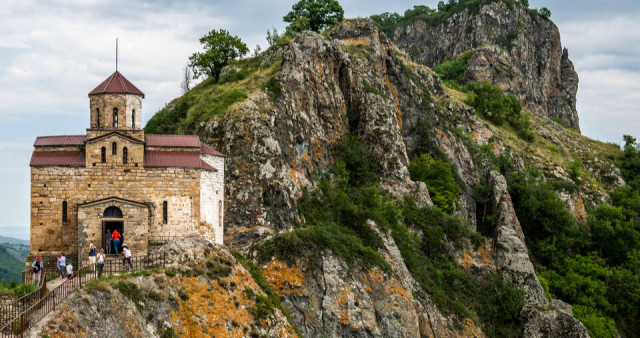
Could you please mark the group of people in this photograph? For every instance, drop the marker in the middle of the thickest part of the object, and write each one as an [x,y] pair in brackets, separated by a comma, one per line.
[65,265]
[112,238]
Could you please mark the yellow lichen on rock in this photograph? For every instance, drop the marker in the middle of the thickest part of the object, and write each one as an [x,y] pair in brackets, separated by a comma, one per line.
[283,279]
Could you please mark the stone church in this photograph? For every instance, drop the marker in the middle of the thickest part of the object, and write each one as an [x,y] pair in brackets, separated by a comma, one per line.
[117,178]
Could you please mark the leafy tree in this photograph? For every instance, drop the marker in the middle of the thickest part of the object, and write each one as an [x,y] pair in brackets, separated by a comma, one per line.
[544,12]
[438,178]
[525,3]
[220,47]
[314,15]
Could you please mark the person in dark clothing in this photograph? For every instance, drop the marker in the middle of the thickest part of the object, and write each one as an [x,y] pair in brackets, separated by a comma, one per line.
[37,270]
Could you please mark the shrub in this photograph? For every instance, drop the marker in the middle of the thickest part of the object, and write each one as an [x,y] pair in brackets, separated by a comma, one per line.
[437,175]
[453,71]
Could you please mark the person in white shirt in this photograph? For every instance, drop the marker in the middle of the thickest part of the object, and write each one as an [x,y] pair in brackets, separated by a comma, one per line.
[127,256]
[100,262]
[69,269]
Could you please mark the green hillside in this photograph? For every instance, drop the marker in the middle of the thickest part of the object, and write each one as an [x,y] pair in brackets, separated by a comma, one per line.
[12,257]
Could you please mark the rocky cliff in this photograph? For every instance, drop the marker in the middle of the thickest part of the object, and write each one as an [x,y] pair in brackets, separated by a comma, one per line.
[511,47]
[401,267]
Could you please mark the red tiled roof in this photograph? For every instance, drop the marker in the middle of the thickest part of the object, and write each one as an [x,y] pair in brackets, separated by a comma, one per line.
[182,159]
[205,149]
[57,158]
[62,140]
[116,83]
[154,140]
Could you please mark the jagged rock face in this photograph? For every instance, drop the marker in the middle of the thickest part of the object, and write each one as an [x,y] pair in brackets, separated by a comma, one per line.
[278,144]
[329,298]
[513,49]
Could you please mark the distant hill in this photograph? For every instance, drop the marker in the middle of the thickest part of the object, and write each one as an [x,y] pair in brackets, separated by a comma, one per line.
[11,240]
[15,232]
[12,257]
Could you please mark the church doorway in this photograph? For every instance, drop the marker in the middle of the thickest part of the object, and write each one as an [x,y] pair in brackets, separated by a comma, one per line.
[112,221]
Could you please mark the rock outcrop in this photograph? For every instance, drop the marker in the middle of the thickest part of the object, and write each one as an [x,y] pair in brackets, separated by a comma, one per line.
[511,47]
[279,143]
[204,292]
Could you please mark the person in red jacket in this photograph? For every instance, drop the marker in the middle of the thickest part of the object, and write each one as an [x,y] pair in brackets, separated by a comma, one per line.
[116,240]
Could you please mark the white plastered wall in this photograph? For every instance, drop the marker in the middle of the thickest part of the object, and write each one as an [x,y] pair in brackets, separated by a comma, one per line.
[212,196]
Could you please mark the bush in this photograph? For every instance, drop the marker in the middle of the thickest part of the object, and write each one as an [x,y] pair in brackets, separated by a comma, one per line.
[496,106]
[437,175]
[453,71]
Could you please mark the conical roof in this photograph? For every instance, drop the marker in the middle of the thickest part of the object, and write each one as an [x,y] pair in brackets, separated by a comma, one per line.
[116,83]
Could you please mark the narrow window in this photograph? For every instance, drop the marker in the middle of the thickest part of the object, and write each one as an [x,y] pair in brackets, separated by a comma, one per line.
[133,119]
[124,155]
[104,155]
[98,117]
[165,212]
[114,148]
[64,212]
[115,117]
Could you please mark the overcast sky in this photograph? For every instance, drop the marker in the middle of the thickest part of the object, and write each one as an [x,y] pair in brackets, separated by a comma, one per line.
[52,53]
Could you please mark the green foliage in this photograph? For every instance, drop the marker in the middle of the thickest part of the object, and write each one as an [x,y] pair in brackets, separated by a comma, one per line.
[437,175]
[263,307]
[489,300]
[433,17]
[273,38]
[131,291]
[594,266]
[314,15]
[12,257]
[575,168]
[493,104]
[371,89]
[506,41]
[452,72]
[336,214]
[559,121]
[272,86]
[544,12]
[220,47]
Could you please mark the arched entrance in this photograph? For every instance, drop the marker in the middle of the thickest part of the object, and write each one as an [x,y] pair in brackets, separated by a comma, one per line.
[112,220]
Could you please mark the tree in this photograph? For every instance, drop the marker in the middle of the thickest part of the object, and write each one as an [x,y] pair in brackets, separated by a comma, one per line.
[185,85]
[220,47]
[256,51]
[314,15]
[545,12]
[525,3]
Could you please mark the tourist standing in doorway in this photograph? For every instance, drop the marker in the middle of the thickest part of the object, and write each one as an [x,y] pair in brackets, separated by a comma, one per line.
[116,240]
[92,255]
[127,256]
[37,270]
[108,238]
[62,262]
[100,262]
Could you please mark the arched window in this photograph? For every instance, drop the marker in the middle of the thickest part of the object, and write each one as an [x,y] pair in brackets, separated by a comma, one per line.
[124,155]
[114,148]
[64,212]
[98,117]
[113,212]
[104,154]
[115,117]
[165,212]
[133,119]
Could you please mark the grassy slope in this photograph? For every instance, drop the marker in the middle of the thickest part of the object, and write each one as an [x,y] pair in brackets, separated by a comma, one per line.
[211,98]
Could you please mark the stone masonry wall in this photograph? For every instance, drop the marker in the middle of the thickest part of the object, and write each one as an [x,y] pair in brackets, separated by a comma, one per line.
[212,196]
[136,222]
[135,153]
[51,186]
[102,105]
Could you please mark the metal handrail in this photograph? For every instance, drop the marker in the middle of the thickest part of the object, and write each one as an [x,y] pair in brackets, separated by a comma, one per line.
[19,319]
